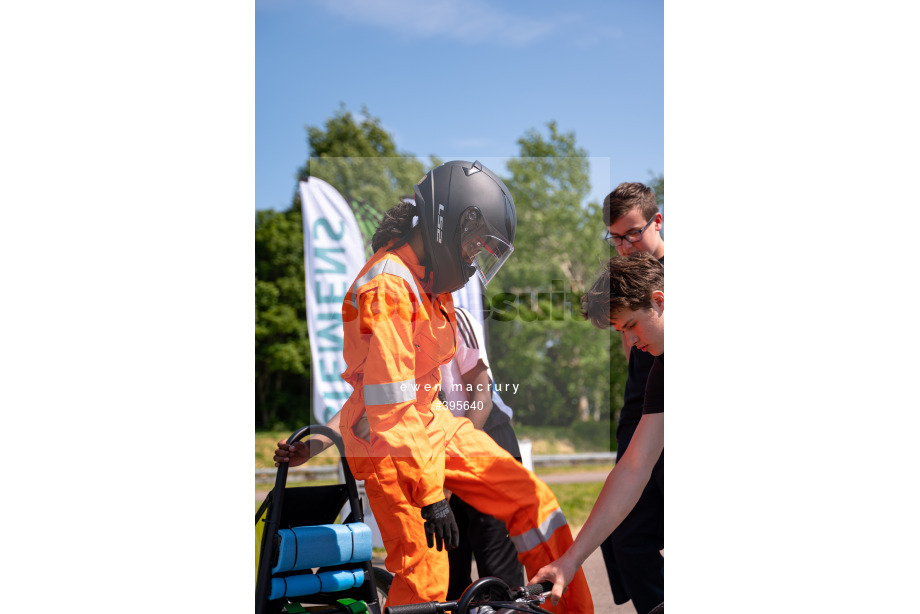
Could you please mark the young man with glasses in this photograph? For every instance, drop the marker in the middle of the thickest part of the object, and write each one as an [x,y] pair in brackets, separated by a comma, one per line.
[633,220]
[632,552]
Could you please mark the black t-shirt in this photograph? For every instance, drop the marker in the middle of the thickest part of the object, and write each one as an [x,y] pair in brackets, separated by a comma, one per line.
[654,388]
[640,365]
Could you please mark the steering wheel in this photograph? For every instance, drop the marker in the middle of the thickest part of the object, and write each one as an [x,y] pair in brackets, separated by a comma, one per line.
[483,589]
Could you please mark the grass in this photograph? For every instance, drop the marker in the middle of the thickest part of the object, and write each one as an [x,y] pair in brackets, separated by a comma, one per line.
[576,500]
[267,441]
[579,437]
[582,437]
[575,468]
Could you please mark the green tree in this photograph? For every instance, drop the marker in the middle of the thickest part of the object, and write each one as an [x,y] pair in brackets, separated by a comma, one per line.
[567,370]
[360,160]
[657,183]
[282,348]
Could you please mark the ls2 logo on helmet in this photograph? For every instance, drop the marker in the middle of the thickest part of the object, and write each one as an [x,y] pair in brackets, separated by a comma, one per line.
[440,223]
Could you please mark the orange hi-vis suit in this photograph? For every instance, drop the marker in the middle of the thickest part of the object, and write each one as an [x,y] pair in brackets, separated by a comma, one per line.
[396,338]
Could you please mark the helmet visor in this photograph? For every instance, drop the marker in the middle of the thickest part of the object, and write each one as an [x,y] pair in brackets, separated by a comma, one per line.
[481,245]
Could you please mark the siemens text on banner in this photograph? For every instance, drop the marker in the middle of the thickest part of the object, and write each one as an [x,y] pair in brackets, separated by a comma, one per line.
[333,256]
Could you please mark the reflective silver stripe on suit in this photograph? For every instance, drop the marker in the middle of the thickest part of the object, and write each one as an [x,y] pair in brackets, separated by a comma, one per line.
[534,537]
[383,394]
[390,267]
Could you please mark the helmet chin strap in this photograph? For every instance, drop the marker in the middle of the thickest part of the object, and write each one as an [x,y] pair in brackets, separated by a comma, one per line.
[468,269]
[429,274]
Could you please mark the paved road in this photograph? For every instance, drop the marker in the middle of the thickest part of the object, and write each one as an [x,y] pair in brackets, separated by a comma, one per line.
[575,477]
[596,574]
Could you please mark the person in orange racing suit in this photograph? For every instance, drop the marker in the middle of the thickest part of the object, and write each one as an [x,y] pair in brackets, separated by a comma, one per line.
[399,328]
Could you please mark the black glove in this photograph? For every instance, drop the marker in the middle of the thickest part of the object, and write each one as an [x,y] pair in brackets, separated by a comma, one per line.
[440,525]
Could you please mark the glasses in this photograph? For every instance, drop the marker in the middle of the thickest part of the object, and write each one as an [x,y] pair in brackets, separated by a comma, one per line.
[633,236]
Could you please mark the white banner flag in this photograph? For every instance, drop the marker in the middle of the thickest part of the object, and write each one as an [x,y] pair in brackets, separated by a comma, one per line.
[333,257]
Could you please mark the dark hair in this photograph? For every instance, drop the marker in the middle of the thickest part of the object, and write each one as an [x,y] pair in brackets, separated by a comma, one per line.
[396,224]
[625,198]
[626,283]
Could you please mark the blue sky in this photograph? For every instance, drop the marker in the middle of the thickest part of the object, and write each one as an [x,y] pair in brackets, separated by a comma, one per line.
[461,80]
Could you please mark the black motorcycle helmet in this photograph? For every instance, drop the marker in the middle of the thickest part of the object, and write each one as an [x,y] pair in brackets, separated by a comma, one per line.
[467,219]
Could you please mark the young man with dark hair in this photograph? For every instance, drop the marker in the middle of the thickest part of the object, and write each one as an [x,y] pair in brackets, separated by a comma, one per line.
[629,296]
[632,553]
